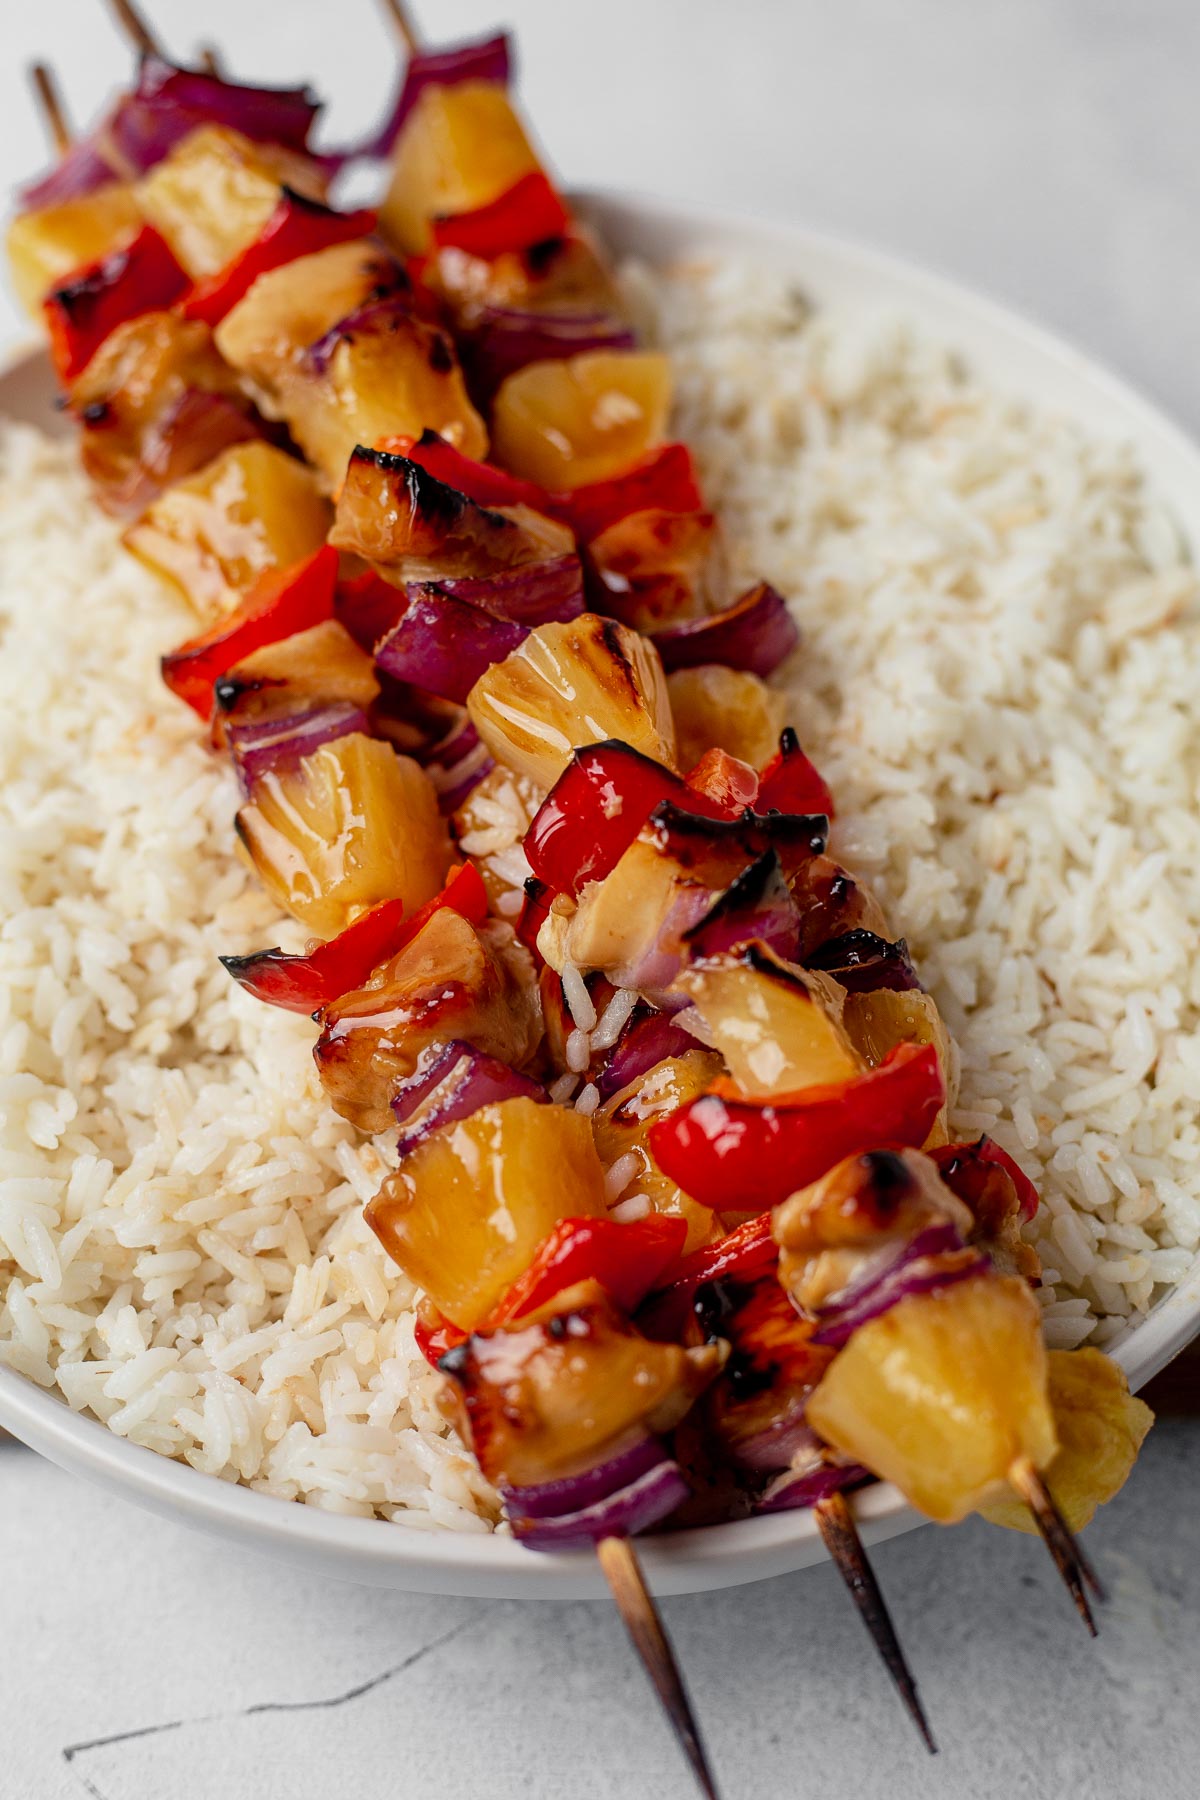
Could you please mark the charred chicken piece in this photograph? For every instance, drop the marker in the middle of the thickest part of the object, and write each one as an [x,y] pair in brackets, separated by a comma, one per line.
[451,981]
[552,1396]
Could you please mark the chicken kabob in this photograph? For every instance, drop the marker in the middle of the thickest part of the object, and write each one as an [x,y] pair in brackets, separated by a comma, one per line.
[835,884]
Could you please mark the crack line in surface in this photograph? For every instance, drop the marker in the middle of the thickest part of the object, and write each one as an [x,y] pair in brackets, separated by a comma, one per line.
[71,1751]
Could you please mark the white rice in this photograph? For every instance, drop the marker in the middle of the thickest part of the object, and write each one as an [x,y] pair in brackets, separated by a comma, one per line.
[991,607]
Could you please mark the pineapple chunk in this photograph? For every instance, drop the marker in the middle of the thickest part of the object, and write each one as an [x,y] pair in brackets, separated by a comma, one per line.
[568,685]
[390,375]
[622,1127]
[943,1394]
[350,825]
[559,1392]
[460,148]
[320,664]
[586,418]
[716,708]
[1100,1426]
[776,1026]
[251,508]
[448,982]
[288,309]
[155,404]
[54,241]
[467,1208]
[212,195]
[877,1022]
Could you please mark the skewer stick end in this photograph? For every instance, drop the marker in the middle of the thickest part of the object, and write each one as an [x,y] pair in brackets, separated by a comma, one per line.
[398,13]
[45,86]
[1069,1559]
[635,1603]
[134,27]
[839,1533]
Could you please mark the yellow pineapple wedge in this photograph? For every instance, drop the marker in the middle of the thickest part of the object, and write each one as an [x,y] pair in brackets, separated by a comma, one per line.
[585,418]
[320,664]
[52,242]
[212,194]
[568,685]
[944,1394]
[716,708]
[467,1208]
[252,508]
[460,148]
[877,1022]
[288,309]
[348,826]
[622,1128]
[777,1026]
[1101,1427]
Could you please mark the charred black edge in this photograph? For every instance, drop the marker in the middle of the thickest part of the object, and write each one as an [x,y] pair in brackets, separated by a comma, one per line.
[745,890]
[237,966]
[670,823]
[435,500]
[78,296]
[859,949]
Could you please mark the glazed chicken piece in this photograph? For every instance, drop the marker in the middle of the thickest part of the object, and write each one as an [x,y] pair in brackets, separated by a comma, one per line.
[756,1408]
[451,981]
[554,1395]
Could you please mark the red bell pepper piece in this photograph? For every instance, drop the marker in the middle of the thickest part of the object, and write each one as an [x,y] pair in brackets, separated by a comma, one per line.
[627,1260]
[728,782]
[724,1150]
[665,480]
[298,227]
[529,212]
[957,1160]
[790,784]
[479,481]
[745,1254]
[368,606]
[281,603]
[82,311]
[595,810]
[305,984]
[535,908]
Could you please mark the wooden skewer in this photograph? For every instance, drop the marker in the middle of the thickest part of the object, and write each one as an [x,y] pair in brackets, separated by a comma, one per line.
[135,27]
[840,1535]
[210,62]
[398,13]
[50,100]
[636,1606]
[1069,1559]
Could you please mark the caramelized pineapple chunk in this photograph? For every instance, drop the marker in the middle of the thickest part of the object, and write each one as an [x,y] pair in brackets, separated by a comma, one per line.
[321,664]
[211,196]
[622,1127]
[877,1021]
[469,1205]
[568,685]
[53,241]
[449,982]
[460,148]
[288,309]
[348,826]
[251,508]
[1100,1427]
[586,418]
[558,1393]
[154,404]
[777,1027]
[716,708]
[943,1394]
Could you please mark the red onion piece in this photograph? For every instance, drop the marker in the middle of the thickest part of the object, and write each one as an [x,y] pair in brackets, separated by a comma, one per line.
[625,1513]
[451,1084]
[532,594]
[648,1039]
[167,103]
[863,963]
[757,904]
[443,644]
[755,634]
[374,316]
[572,1492]
[782,1445]
[85,167]
[258,745]
[508,339]
[815,1479]
[936,1257]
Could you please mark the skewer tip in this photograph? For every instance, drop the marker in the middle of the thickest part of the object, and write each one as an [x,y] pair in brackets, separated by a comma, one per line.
[623,1572]
[1068,1556]
[135,27]
[398,13]
[839,1533]
[49,99]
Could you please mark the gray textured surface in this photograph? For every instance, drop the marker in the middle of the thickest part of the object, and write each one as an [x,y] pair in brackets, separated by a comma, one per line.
[240,1681]
[1049,151]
